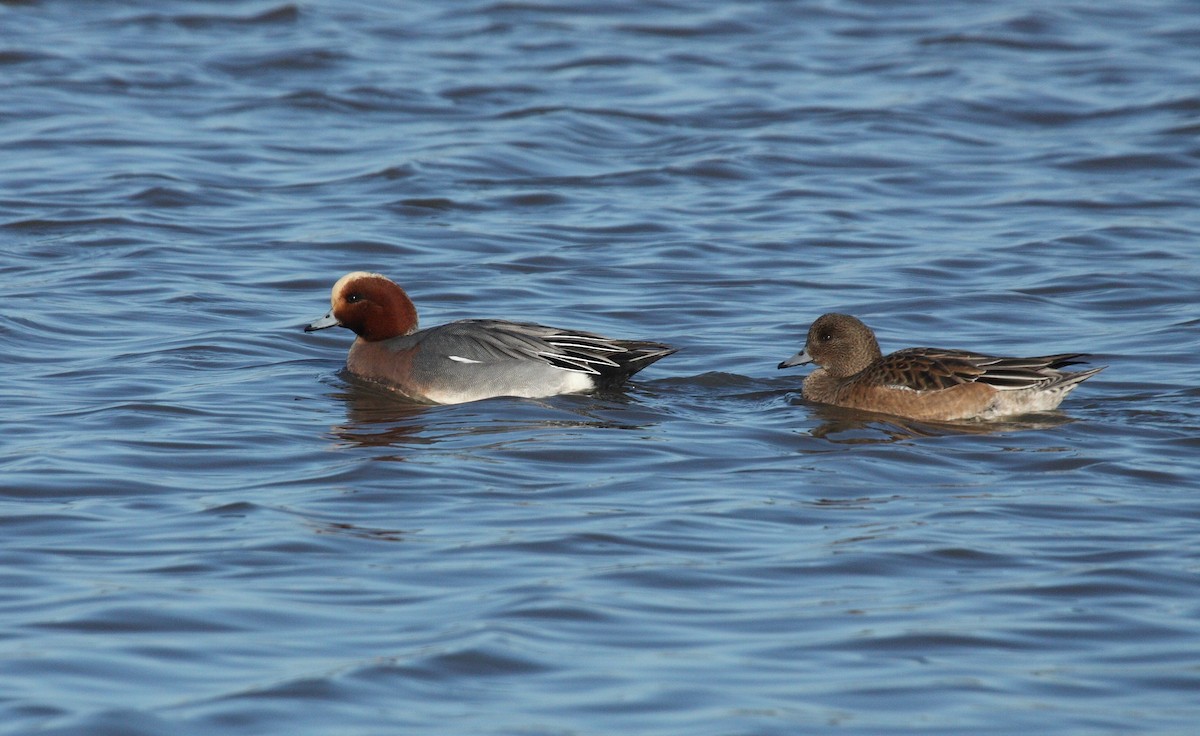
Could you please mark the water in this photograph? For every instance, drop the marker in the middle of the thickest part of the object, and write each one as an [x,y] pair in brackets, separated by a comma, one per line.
[208,528]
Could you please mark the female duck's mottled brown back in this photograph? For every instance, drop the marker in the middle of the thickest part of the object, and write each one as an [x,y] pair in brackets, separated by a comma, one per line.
[930,384]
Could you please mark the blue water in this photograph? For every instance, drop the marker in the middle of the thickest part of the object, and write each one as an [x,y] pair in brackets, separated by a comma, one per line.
[207,527]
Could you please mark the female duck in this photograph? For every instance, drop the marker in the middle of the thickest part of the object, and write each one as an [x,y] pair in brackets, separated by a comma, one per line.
[472,359]
[927,384]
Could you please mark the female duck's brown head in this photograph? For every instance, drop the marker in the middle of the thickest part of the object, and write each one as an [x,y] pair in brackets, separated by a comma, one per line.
[371,305]
[840,344]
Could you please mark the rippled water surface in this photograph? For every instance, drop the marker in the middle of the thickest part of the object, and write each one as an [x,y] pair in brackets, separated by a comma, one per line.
[207,527]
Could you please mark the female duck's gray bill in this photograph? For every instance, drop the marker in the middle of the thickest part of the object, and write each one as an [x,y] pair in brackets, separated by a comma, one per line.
[799,358]
[327,321]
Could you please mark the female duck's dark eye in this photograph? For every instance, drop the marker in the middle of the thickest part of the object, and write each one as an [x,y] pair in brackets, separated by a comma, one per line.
[826,336]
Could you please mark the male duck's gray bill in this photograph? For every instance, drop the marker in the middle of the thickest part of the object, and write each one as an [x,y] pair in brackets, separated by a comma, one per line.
[800,358]
[325,322]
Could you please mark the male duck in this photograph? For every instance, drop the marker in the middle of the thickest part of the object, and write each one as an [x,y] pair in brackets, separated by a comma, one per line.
[472,359]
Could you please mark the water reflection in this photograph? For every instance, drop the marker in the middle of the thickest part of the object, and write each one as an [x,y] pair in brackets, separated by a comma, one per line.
[359,532]
[379,417]
[852,426]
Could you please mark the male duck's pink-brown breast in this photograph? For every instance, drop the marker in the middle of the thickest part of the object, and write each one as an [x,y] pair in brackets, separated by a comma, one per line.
[381,361]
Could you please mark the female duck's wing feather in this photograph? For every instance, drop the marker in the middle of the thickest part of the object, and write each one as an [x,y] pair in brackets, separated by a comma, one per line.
[934,369]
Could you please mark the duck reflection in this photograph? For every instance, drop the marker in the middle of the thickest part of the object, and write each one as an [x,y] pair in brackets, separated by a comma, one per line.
[853,426]
[340,528]
[376,416]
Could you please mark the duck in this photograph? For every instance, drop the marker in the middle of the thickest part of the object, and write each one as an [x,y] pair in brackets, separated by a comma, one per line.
[472,359]
[928,384]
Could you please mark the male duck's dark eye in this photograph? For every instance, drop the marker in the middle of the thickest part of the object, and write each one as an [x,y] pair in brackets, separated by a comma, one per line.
[353,298]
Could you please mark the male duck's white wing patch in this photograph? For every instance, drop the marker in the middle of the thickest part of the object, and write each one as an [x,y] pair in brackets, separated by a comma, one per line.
[460,359]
